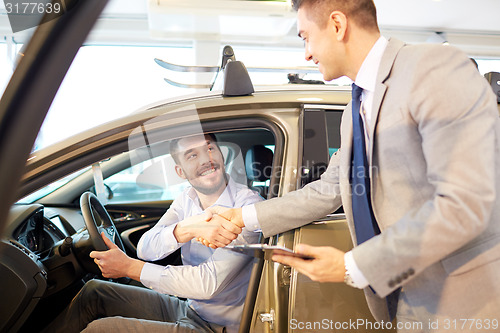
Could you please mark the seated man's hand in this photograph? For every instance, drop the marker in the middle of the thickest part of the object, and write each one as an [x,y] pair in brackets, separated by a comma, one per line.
[114,263]
[218,231]
[327,265]
[231,218]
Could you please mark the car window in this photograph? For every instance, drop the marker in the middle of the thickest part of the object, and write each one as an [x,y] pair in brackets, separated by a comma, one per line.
[150,180]
[154,178]
[333,118]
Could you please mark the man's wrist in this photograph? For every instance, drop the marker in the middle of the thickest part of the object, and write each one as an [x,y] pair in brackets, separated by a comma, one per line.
[135,269]
[182,233]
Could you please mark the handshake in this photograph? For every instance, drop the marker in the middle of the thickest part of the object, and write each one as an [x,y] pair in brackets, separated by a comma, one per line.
[219,226]
[216,227]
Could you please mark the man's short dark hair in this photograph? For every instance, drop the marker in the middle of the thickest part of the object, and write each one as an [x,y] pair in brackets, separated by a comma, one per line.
[363,12]
[174,146]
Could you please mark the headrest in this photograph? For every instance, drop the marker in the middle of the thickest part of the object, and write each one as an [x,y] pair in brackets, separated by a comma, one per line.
[258,163]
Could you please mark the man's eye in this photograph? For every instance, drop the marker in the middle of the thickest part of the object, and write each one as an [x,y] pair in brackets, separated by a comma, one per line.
[191,156]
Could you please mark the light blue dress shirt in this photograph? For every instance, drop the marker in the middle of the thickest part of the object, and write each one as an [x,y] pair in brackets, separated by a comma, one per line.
[214,281]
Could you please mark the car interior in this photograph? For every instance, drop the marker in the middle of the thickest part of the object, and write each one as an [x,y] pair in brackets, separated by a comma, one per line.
[47,227]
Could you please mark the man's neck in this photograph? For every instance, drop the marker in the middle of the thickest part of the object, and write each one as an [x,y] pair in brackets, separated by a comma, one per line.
[207,200]
[361,46]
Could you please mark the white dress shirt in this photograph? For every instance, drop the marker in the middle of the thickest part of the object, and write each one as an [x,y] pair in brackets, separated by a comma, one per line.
[366,79]
[214,281]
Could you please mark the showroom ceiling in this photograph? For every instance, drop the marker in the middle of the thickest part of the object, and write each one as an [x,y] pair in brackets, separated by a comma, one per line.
[471,25]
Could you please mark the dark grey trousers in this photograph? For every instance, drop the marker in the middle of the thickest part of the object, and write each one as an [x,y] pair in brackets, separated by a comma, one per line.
[106,307]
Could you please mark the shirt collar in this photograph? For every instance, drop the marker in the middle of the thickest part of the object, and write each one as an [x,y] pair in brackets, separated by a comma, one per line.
[226,199]
[367,75]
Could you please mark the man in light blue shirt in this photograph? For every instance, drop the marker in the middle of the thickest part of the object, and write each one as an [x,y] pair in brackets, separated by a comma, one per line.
[214,281]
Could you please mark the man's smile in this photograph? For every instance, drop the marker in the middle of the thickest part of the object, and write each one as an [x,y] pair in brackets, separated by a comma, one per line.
[209,170]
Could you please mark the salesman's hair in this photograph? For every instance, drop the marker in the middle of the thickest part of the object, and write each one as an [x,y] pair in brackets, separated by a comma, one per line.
[362,12]
[174,146]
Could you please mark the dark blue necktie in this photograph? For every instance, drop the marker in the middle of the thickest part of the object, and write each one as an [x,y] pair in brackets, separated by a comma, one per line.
[364,221]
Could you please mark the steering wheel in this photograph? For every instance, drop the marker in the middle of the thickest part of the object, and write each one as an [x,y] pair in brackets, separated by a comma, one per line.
[97,220]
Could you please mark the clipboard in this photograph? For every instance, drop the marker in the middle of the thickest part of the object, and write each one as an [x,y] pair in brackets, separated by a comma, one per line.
[265,251]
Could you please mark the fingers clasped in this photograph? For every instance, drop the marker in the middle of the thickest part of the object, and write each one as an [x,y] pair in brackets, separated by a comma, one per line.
[224,231]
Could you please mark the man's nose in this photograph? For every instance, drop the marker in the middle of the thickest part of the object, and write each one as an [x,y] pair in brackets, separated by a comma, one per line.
[206,157]
[307,54]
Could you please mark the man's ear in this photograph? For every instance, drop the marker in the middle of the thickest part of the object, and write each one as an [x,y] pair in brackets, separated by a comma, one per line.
[338,22]
[179,172]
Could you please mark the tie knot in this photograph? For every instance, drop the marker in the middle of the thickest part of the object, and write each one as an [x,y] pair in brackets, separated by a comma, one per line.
[356,92]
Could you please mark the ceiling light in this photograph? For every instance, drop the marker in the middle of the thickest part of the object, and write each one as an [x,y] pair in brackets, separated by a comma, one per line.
[215,18]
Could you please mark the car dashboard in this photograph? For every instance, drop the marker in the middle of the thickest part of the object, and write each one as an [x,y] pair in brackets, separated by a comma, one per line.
[38,233]
[31,263]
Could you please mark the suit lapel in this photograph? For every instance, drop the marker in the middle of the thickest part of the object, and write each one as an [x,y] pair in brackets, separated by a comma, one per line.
[346,135]
[388,58]
[345,167]
[384,72]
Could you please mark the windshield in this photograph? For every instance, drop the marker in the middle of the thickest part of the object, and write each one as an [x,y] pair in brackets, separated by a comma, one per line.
[51,187]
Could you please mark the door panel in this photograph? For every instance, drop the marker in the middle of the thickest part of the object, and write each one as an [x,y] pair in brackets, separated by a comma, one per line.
[331,306]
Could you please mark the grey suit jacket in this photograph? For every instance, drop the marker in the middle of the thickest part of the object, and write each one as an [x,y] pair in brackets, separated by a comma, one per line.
[435,182]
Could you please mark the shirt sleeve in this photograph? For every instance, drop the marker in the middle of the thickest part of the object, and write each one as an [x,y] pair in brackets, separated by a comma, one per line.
[203,281]
[357,276]
[249,214]
[206,280]
[159,241]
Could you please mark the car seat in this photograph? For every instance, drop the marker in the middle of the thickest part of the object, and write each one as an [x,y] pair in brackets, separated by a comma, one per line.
[258,166]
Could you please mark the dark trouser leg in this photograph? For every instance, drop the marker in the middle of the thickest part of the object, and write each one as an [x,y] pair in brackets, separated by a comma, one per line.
[132,325]
[100,299]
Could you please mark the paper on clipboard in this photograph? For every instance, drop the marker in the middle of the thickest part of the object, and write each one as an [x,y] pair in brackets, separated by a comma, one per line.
[265,251]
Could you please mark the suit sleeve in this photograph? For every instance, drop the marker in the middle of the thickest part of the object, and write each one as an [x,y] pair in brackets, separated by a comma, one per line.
[298,208]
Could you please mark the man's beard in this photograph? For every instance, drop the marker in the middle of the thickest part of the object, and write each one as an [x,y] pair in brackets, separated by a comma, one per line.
[211,189]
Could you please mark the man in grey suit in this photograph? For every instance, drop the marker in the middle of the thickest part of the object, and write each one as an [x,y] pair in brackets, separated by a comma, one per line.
[429,142]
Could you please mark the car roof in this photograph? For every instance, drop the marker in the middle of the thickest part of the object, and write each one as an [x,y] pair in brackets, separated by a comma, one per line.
[264,97]
[102,137]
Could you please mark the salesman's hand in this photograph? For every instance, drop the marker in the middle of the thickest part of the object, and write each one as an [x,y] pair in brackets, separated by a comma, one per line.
[233,215]
[114,263]
[217,231]
[231,219]
[327,265]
